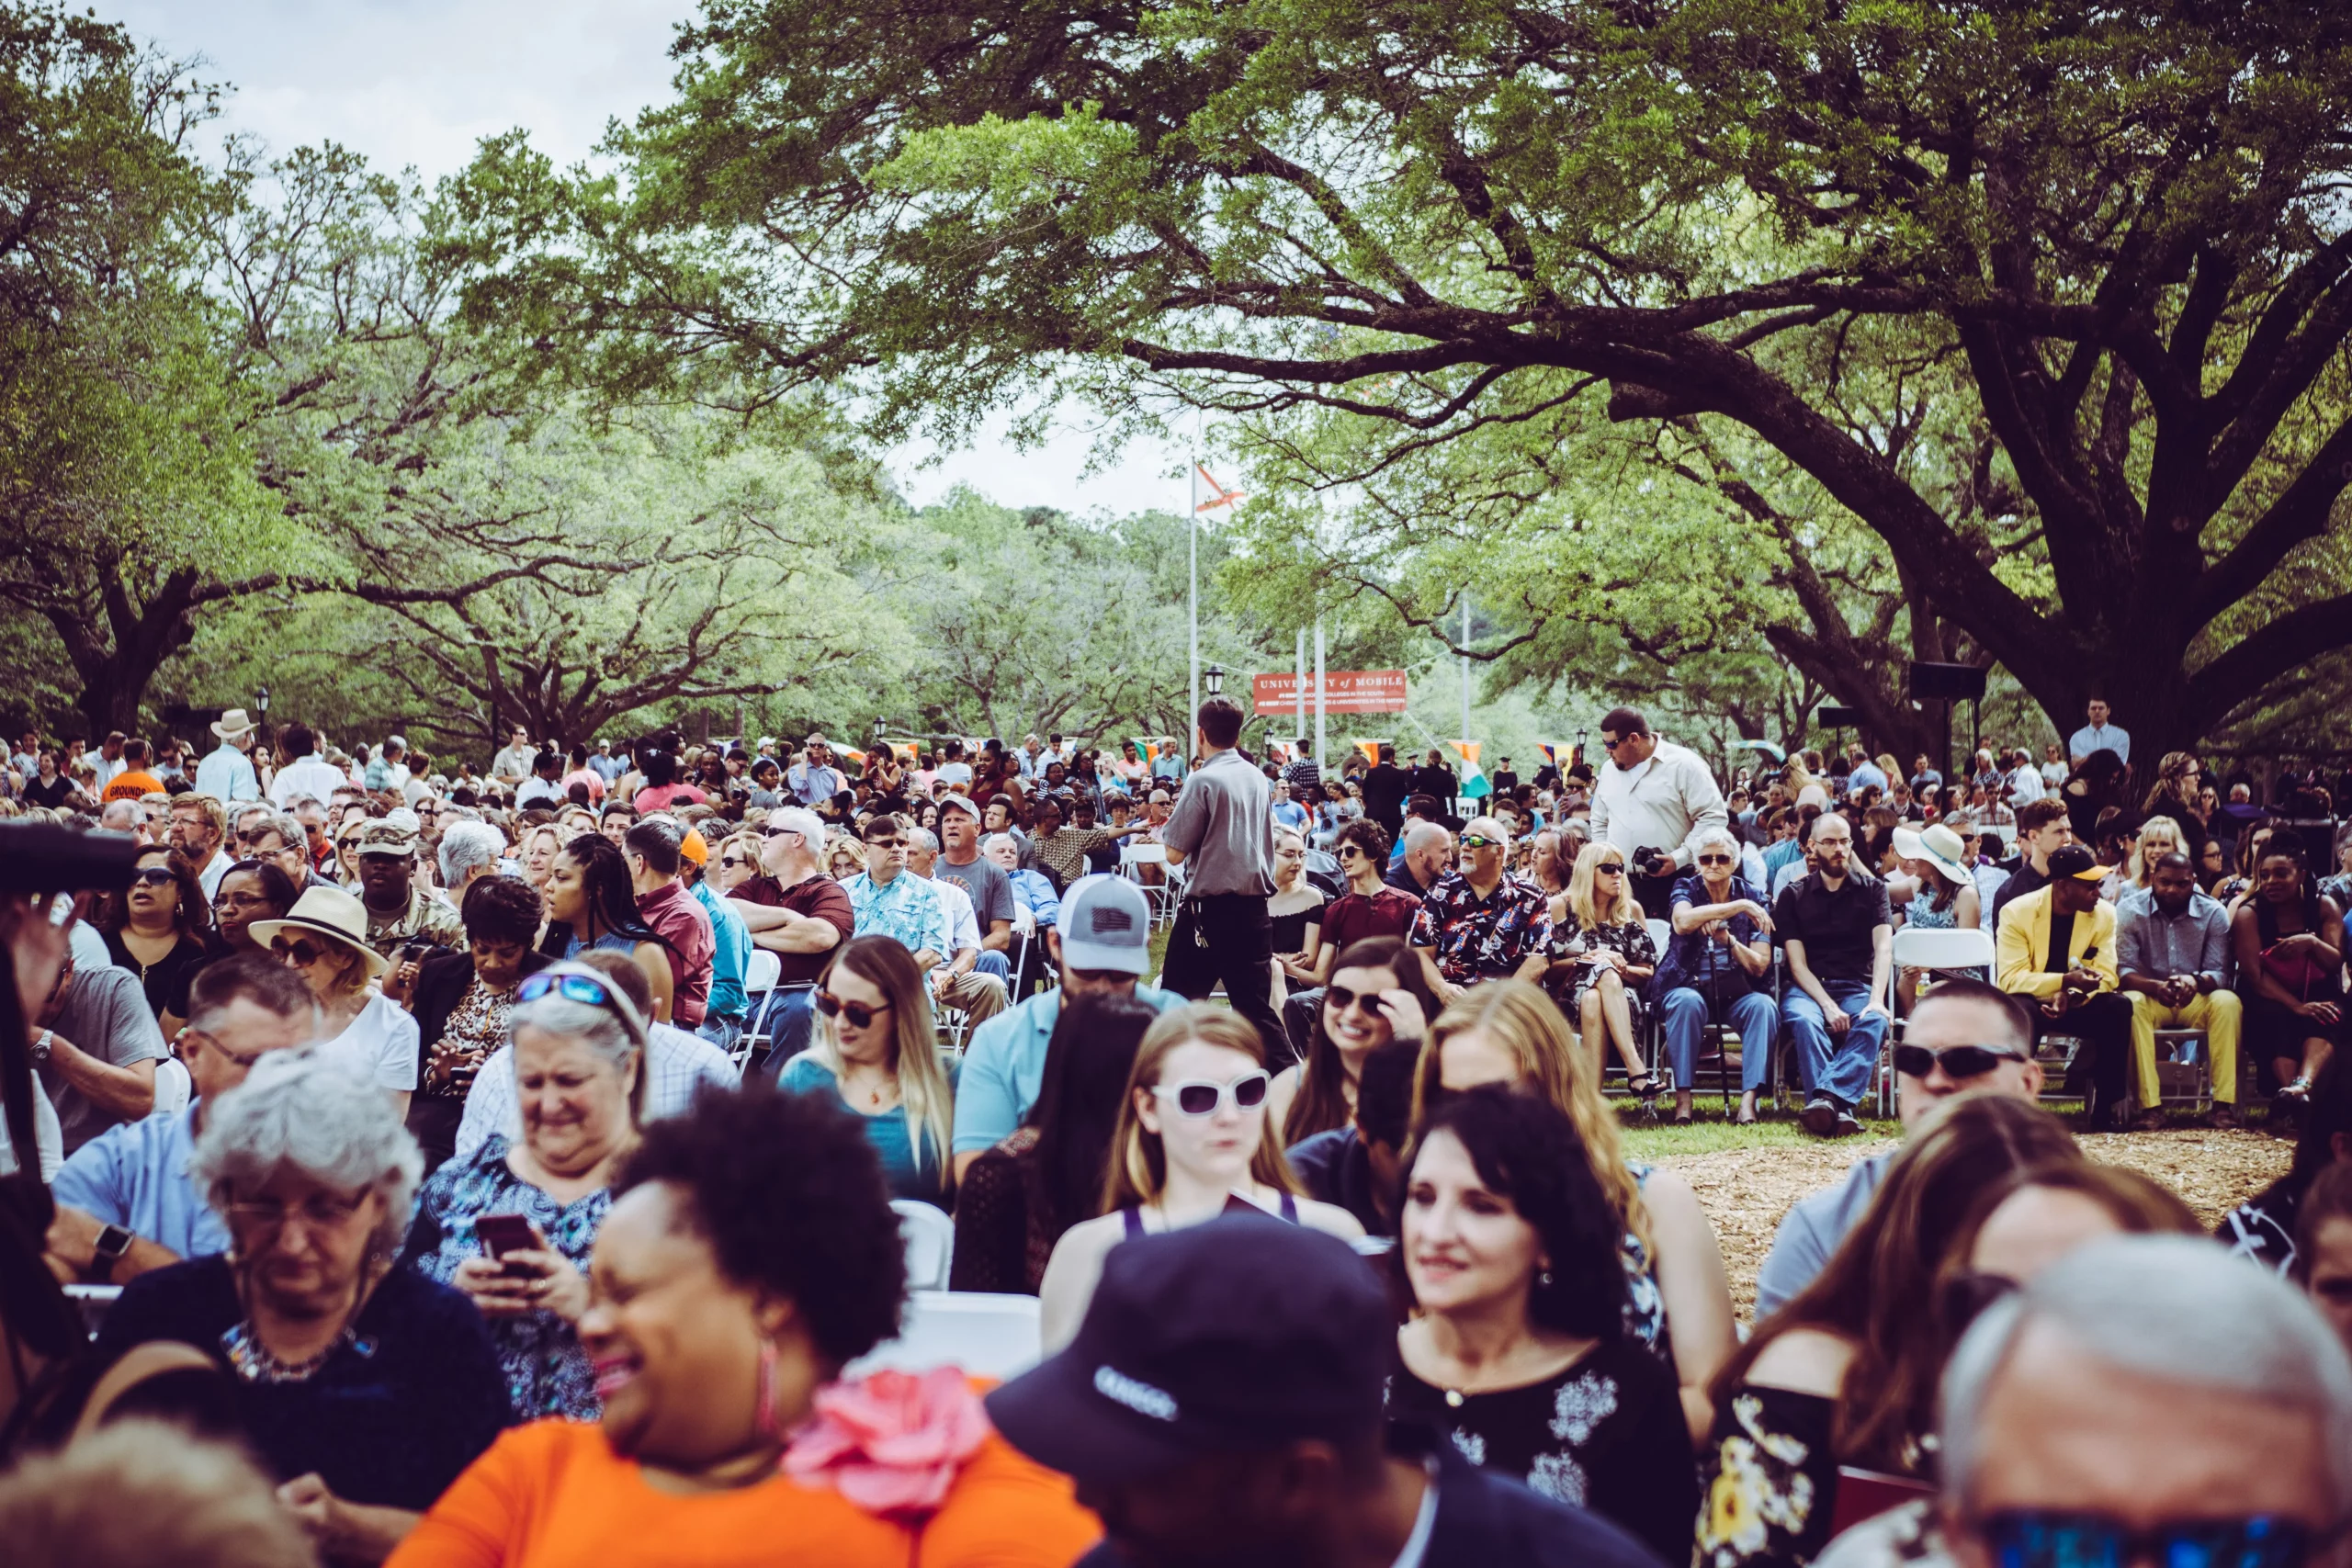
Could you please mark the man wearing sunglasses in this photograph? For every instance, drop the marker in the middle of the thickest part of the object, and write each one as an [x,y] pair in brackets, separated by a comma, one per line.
[1652,802]
[1479,922]
[1963,1035]
[2145,1400]
[125,1204]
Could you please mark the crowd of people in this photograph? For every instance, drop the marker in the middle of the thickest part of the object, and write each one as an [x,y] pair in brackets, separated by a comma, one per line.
[512,1167]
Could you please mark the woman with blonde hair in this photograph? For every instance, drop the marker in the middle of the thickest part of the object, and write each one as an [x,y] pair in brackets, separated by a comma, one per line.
[1677,1302]
[1598,962]
[1194,1141]
[844,856]
[877,1049]
[2159,837]
[540,848]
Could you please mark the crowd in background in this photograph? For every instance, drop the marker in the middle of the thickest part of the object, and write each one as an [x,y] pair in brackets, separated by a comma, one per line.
[515,1162]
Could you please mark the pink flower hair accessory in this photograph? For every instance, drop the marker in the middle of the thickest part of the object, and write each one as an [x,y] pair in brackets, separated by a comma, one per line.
[890,1442]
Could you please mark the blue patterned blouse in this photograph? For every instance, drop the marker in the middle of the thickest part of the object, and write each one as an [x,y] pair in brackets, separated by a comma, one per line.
[546,1372]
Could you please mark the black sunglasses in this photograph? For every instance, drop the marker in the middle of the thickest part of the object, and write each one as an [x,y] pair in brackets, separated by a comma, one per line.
[1714,860]
[153,877]
[1957,1061]
[1610,868]
[2051,1538]
[860,1016]
[1339,998]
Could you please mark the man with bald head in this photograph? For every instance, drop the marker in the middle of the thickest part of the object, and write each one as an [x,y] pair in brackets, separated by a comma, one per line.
[1429,853]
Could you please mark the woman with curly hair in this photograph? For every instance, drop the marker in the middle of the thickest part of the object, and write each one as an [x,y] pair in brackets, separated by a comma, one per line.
[749,1256]
[1508,1249]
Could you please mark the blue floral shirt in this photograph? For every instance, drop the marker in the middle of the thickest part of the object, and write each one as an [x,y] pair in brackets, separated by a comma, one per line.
[547,1371]
[905,909]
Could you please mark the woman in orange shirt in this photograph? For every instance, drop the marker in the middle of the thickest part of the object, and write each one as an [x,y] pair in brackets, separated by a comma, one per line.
[751,1252]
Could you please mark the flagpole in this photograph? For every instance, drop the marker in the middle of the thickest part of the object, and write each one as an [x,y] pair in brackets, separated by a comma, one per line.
[1321,697]
[1192,685]
[1465,672]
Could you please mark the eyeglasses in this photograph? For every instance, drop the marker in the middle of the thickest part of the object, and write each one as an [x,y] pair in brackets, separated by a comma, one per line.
[320,1212]
[2049,1538]
[860,1016]
[1957,1061]
[303,953]
[577,982]
[1198,1097]
[1714,860]
[212,1042]
[1481,841]
[153,877]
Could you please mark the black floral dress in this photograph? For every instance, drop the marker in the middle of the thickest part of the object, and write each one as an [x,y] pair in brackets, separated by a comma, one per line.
[1573,943]
[1605,1433]
[1768,1480]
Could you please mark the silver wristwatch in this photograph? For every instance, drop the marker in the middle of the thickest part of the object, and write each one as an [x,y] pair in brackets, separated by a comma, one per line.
[42,1046]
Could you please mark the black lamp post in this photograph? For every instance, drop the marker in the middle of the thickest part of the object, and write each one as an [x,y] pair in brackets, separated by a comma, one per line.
[1213,680]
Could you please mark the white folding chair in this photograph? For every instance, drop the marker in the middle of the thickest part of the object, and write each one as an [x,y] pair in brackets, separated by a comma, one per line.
[1928,947]
[172,1087]
[1160,896]
[930,1237]
[759,984]
[984,1334]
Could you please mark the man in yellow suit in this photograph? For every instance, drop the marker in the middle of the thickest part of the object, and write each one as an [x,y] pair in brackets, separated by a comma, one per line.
[2056,948]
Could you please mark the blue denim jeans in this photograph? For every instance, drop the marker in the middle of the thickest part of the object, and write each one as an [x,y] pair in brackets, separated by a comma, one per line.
[991,962]
[1685,1017]
[1835,1065]
[722,1032]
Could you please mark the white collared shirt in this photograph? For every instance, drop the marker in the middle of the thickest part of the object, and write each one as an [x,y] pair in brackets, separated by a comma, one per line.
[1659,805]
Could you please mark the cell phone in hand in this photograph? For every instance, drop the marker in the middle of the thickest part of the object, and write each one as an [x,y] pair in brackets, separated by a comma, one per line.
[415,952]
[503,1234]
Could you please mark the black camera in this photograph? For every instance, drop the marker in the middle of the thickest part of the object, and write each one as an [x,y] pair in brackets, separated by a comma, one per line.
[1653,862]
[42,858]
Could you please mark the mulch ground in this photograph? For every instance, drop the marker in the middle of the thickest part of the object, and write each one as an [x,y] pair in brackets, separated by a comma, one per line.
[1746,1191]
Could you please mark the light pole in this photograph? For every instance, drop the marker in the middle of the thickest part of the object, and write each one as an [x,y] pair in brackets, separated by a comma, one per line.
[1213,680]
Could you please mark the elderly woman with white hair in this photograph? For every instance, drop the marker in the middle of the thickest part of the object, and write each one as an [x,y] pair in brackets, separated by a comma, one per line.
[364,1389]
[1717,969]
[512,1224]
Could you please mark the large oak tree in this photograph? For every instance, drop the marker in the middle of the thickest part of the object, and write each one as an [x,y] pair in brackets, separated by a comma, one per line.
[2124,223]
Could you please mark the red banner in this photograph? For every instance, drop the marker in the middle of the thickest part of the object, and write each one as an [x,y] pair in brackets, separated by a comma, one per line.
[1345,691]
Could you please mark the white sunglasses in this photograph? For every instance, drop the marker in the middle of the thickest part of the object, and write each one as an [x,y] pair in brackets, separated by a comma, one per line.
[1198,1097]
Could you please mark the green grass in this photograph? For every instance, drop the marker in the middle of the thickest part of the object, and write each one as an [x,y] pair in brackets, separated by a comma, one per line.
[1711,1132]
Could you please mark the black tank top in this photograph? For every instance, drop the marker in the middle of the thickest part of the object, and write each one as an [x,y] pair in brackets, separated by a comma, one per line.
[1133,1214]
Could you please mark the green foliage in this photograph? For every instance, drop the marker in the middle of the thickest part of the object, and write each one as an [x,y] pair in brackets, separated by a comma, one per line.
[1895,262]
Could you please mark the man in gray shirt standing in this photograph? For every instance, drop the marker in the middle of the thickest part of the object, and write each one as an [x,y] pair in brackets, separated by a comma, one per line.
[1222,833]
[96,1046]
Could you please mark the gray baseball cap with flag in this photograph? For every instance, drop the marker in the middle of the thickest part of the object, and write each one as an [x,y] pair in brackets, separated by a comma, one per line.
[1106,924]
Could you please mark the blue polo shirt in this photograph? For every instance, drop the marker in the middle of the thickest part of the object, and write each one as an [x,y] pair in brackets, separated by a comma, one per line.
[730,954]
[135,1176]
[1004,1067]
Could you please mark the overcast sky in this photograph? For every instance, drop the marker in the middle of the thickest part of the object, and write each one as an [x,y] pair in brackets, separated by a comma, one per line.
[415,82]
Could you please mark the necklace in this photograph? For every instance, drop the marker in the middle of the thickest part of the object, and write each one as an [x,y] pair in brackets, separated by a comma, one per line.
[255,1362]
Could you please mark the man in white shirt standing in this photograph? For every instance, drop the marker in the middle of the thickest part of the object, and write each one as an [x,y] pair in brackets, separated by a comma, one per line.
[227,773]
[512,765]
[1654,796]
[2098,736]
[302,769]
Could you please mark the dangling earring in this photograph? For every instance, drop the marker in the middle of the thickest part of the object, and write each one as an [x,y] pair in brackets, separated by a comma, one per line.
[763,1422]
[1543,1279]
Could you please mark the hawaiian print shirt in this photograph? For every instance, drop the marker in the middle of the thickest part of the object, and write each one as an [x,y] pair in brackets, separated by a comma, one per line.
[905,908]
[1478,939]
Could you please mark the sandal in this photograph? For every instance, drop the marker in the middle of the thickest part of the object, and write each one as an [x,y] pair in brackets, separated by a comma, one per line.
[1646,1088]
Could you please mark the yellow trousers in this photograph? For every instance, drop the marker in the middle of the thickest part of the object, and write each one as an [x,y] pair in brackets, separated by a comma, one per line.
[2217,1013]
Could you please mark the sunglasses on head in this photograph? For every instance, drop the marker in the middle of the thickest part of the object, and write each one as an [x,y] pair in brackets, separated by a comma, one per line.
[1198,1097]
[860,1016]
[584,985]
[2051,1537]
[1957,1061]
